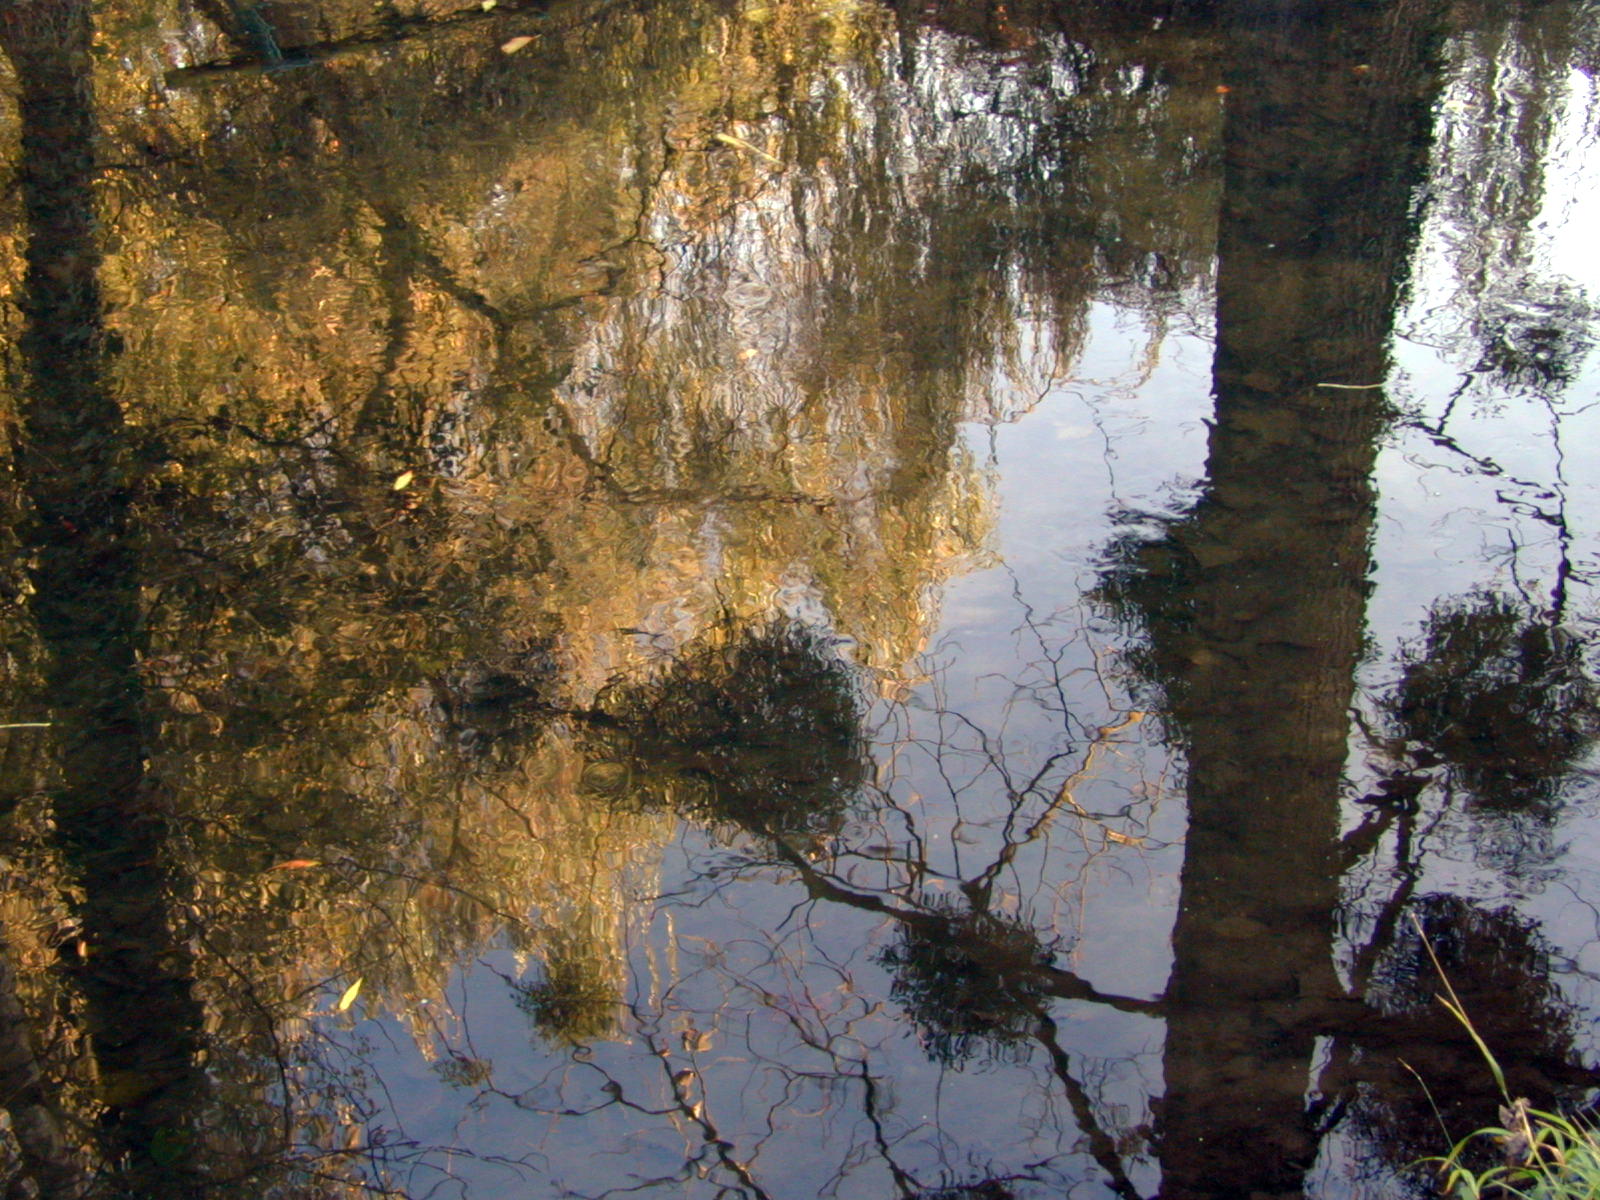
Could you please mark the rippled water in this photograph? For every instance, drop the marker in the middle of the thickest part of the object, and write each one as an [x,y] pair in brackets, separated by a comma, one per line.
[794,598]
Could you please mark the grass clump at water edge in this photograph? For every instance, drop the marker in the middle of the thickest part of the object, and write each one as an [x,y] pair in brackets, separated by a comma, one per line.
[1545,1155]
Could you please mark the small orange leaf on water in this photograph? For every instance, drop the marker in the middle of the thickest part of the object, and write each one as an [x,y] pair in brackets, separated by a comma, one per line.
[515,44]
[350,994]
[403,480]
[295,864]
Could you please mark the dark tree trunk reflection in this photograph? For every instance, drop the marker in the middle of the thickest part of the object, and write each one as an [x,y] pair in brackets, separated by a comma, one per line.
[75,466]
[1255,602]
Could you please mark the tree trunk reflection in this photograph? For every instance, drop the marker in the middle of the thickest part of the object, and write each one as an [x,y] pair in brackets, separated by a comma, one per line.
[76,466]
[1259,636]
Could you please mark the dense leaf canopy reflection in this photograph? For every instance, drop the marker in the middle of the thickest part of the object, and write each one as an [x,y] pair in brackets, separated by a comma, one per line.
[761,734]
[1504,698]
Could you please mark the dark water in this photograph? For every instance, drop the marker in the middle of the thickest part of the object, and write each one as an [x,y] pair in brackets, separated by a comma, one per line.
[807,598]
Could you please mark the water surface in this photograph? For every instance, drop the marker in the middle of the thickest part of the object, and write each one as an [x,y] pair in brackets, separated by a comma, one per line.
[794,598]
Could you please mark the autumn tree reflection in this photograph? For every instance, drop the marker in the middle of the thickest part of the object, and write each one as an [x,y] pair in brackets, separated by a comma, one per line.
[112,819]
[463,478]
[575,999]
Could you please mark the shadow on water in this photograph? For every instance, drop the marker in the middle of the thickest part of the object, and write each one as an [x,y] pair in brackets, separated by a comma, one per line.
[77,470]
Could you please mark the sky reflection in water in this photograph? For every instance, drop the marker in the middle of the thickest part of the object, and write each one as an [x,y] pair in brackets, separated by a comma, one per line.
[794,600]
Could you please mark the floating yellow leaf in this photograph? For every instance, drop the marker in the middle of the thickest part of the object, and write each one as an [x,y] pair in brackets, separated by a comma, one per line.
[487,5]
[728,139]
[403,480]
[350,994]
[295,864]
[515,44]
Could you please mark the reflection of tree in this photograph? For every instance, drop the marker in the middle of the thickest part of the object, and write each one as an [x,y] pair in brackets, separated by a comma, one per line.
[376,273]
[1253,603]
[112,819]
[761,732]
[970,983]
[1511,321]
[1497,963]
[331,281]
[977,983]
[1502,696]
[1534,340]
[576,1000]
[1510,65]
[1430,1082]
